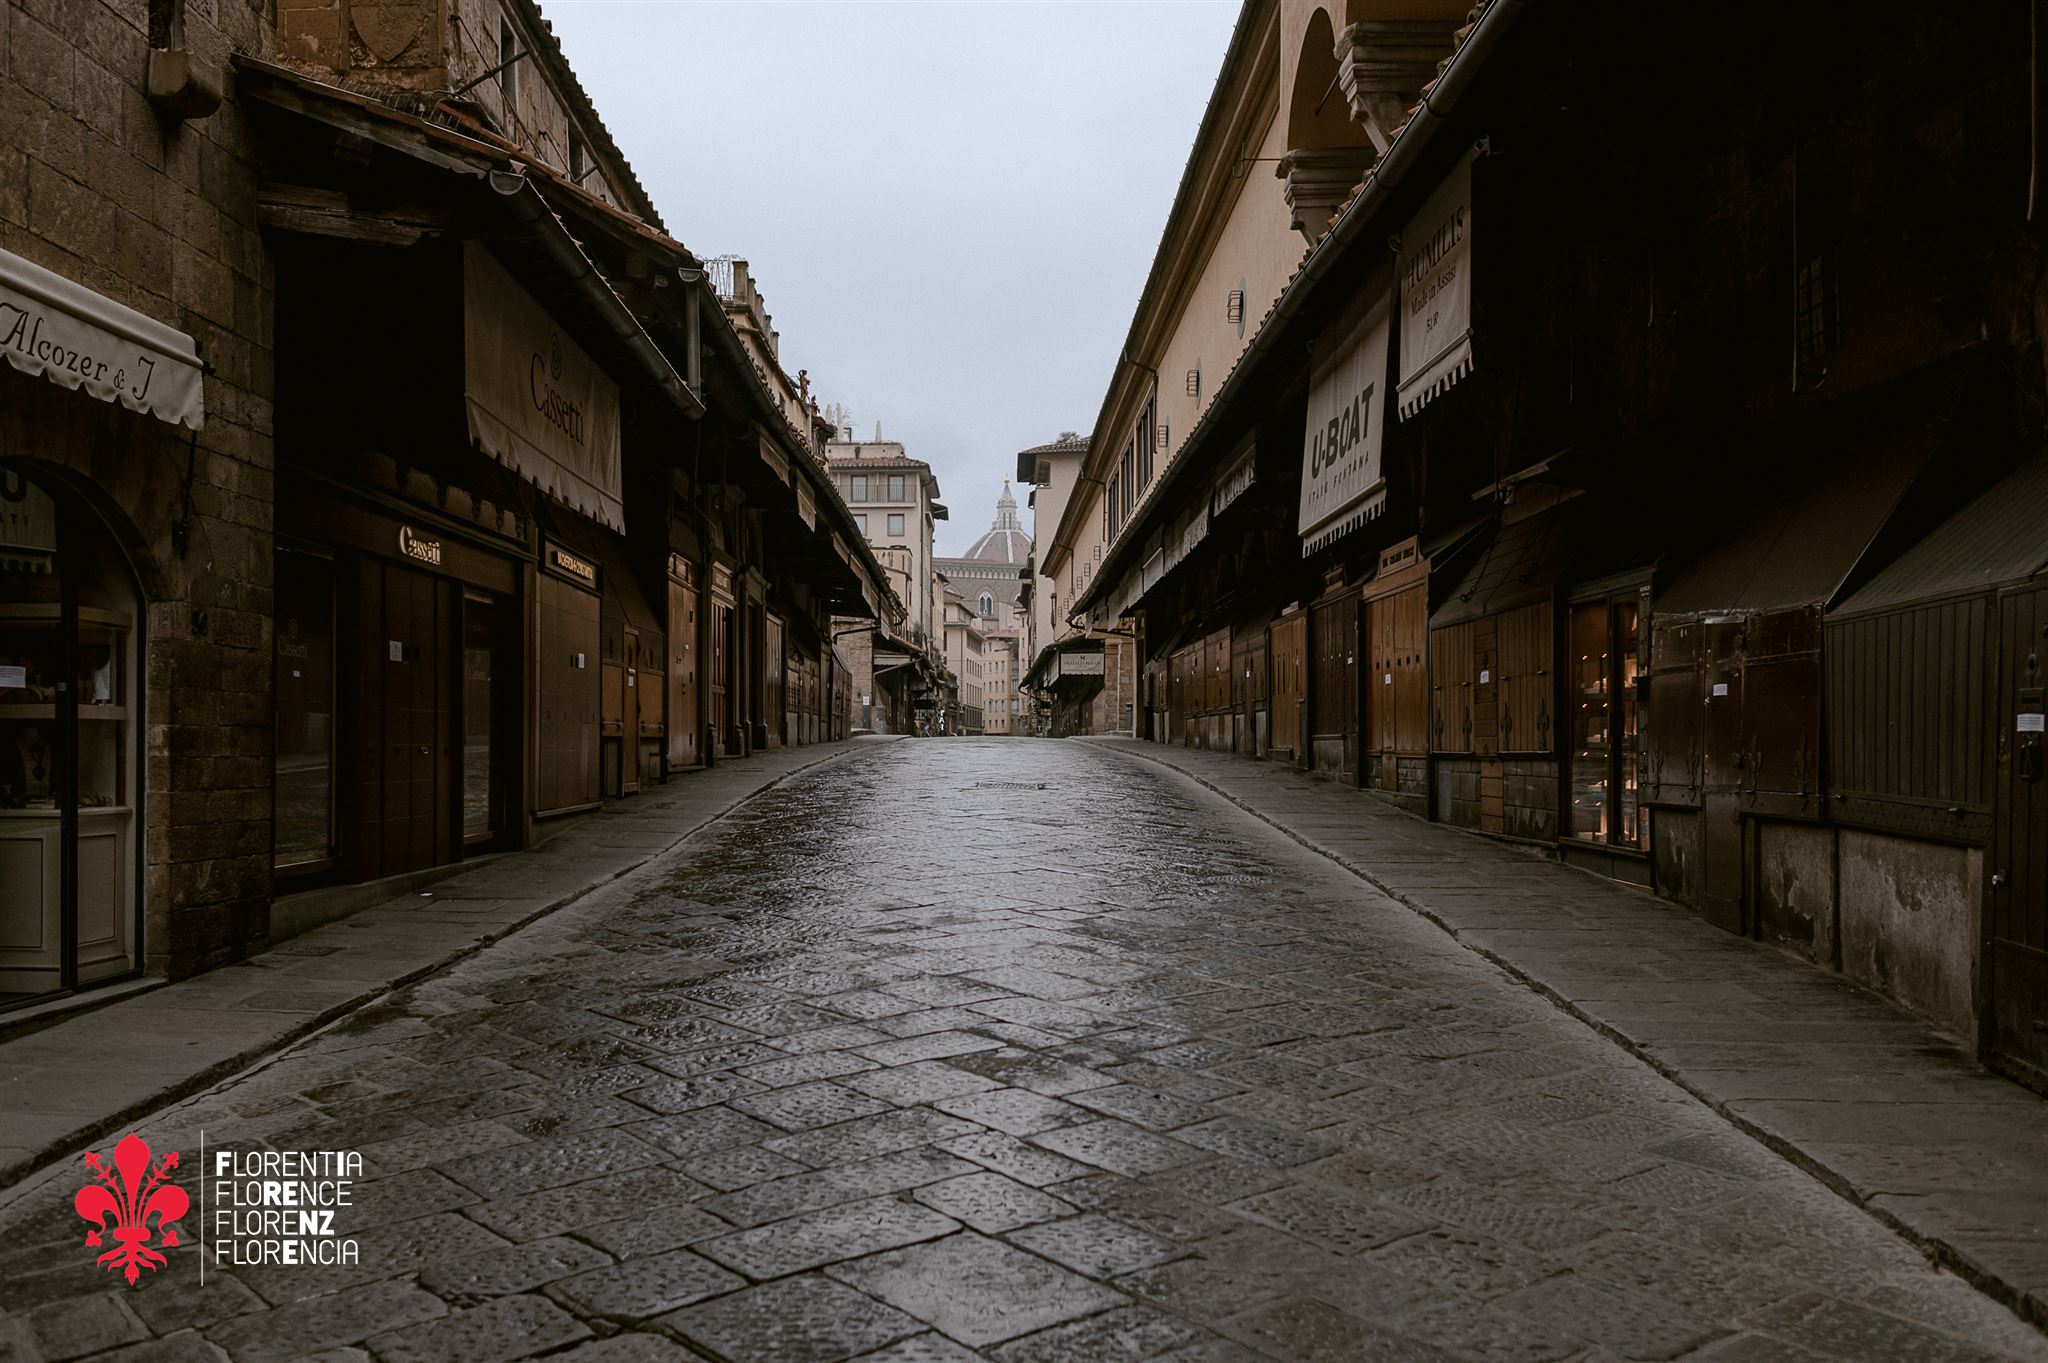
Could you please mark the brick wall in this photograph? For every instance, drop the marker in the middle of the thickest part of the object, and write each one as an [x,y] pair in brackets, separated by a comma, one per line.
[161,216]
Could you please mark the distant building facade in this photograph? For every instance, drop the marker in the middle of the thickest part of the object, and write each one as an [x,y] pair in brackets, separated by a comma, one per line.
[963,642]
[1077,679]
[991,579]
[894,500]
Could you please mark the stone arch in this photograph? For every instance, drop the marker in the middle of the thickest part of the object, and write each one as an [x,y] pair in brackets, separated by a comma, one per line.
[125,465]
[1317,115]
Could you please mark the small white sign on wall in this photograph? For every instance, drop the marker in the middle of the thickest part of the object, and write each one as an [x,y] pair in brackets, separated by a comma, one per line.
[2032,724]
[1720,688]
[397,651]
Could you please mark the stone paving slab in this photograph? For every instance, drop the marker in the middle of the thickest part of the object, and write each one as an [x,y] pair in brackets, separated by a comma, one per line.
[63,1087]
[1879,1105]
[1275,1116]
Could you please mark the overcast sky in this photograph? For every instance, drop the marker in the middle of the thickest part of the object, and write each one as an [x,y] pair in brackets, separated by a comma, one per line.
[950,207]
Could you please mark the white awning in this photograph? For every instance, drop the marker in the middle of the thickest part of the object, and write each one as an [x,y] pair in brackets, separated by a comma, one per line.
[1342,486]
[78,339]
[1436,292]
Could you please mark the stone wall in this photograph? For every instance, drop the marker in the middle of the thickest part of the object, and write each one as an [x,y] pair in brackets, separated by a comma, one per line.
[1909,923]
[161,216]
[1795,888]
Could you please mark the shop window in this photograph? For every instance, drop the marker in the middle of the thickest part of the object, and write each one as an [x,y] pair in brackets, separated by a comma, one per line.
[70,784]
[485,785]
[1147,441]
[1603,658]
[1817,311]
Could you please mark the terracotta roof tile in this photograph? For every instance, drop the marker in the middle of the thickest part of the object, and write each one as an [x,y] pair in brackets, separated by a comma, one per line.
[1067,443]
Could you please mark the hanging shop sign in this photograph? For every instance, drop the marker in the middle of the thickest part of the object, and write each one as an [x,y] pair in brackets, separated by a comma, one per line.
[1341,484]
[77,339]
[1237,477]
[1076,664]
[1436,292]
[569,565]
[537,402]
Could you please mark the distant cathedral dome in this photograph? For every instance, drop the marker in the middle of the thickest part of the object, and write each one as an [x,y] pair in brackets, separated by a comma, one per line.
[1005,541]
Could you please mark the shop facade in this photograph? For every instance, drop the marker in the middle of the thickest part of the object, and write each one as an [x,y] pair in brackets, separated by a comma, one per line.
[400,653]
[72,710]
[1738,610]
[134,577]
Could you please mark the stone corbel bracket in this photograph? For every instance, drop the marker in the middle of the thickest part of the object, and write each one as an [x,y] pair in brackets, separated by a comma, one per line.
[1382,65]
[179,86]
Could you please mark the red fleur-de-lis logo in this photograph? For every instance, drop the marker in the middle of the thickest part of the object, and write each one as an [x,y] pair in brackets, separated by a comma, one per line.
[137,1194]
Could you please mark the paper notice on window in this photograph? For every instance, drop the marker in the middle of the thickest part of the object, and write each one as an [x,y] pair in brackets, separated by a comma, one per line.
[13,678]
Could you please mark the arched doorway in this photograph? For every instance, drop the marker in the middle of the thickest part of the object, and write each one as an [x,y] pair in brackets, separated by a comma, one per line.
[71,721]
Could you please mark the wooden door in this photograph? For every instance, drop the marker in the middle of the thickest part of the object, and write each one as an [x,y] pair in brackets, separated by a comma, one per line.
[1723,762]
[412,691]
[723,731]
[2018,899]
[1290,686]
[1334,637]
[569,721]
[684,722]
[629,716]
[1396,722]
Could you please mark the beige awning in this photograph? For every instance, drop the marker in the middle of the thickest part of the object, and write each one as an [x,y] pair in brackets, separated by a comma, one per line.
[537,402]
[66,333]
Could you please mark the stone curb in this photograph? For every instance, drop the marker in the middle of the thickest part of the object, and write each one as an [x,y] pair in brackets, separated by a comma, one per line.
[16,1176]
[1939,1249]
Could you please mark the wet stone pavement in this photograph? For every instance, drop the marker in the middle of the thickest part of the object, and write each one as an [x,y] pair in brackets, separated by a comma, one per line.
[1008,1050]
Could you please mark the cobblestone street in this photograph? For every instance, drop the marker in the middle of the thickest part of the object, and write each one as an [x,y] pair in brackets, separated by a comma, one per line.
[883,1066]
